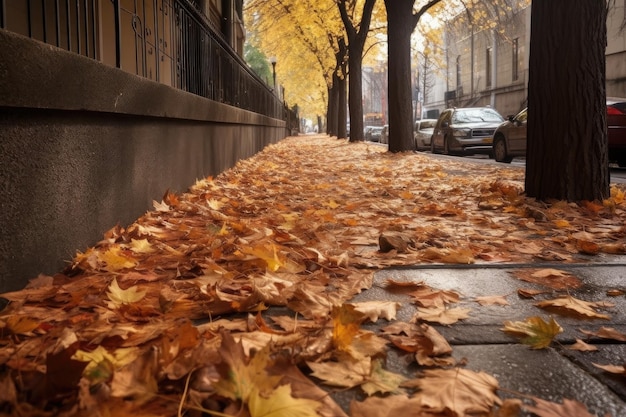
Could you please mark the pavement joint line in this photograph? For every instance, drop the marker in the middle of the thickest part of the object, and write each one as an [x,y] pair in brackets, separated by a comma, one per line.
[504,266]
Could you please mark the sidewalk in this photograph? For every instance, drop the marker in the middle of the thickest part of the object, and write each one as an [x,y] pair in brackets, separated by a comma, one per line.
[346,264]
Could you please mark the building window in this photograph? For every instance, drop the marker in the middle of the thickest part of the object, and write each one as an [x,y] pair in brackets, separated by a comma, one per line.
[515,61]
[458,72]
[488,63]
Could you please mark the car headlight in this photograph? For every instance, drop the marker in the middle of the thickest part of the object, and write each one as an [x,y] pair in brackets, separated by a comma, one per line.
[461,133]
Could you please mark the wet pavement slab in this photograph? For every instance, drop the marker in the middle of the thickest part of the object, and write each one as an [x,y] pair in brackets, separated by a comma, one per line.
[551,374]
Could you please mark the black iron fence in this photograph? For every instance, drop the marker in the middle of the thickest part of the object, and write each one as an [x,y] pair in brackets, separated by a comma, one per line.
[168,41]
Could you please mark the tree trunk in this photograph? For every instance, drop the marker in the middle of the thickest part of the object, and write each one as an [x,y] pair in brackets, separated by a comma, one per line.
[355,93]
[342,107]
[567,155]
[399,28]
[331,115]
[356,43]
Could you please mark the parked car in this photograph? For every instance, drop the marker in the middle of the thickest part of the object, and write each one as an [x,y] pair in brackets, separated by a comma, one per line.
[384,134]
[465,130]
[510,137]
[616,129]
[375,133]
[367,132]
[423,133]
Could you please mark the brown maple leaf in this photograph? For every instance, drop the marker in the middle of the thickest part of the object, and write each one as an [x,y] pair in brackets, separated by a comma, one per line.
[569,408]
[441,315]
[460,390]
[490,300]
[569,305]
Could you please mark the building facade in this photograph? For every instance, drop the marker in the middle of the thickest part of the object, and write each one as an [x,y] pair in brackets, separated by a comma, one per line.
[490,66]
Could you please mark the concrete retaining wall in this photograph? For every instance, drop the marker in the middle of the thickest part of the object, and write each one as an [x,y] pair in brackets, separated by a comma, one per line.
[84,146]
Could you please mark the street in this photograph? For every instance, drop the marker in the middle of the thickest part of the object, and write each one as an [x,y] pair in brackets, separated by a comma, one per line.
[618,175]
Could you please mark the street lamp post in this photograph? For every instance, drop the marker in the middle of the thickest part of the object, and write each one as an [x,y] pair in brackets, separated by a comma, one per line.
[273,62]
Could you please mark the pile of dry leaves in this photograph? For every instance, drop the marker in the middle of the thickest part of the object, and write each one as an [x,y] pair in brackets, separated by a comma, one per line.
[171,315]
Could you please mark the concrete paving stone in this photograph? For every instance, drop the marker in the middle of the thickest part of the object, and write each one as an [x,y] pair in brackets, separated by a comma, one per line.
[541,373]
[485,322]
[607,354]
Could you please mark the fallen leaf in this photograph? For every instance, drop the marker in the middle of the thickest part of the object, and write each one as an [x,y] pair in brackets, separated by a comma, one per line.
[462,391]
[607,333]
[280,403]
[549,277]
[582,346]
[441,315]
[614,369]
[389,406]
[121,297]
[241,375]
[490,300]
[569,408]
[537,333]
[573,306]
[381,380]
[375,309]
[345,374]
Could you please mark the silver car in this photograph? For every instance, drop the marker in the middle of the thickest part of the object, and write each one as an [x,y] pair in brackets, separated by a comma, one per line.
[423,133]
[509,139]
[465,130]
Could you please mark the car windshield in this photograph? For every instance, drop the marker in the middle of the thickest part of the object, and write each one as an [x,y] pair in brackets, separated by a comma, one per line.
[476,115]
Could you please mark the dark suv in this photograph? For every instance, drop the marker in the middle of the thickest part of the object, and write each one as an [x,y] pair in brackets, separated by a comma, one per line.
[465,130]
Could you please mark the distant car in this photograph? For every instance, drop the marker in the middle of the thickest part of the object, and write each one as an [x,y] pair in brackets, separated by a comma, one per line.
[465,130]
[384,134]
[423,133]
[367,132]
[376,133]
[510,137]
[616,129]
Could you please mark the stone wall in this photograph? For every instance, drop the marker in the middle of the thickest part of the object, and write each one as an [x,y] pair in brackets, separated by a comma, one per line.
[84,147]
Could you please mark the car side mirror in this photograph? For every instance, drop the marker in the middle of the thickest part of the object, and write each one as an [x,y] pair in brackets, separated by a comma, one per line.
[445,124]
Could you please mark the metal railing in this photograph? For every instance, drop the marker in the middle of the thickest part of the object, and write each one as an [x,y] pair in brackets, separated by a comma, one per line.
[168,41]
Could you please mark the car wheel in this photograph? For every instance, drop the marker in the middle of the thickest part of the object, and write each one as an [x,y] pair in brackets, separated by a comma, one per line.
[499,151]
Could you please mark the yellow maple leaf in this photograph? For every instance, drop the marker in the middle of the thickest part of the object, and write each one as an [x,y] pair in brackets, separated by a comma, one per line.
[267,253]
[101,364]
[280,403]
[114,260]
[537,333]
[141,246]
[243,377]
[562,224]
[346,322]
[120,297]
[21,324]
